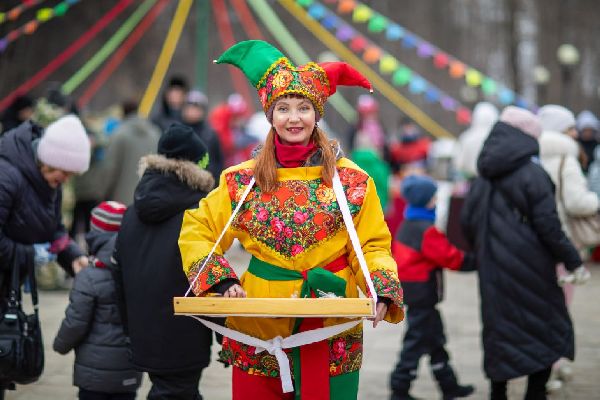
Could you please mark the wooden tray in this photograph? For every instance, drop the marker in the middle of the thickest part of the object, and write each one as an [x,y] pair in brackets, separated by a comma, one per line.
[274,307]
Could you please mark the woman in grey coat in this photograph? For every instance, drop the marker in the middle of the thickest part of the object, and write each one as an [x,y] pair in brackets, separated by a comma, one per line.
[93,325]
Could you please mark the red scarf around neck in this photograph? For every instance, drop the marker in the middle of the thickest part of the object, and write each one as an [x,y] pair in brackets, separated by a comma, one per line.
[292,156]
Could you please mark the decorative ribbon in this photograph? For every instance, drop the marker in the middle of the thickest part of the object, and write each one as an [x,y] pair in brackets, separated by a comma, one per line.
[166,54]
[118,57]
[66,55]
[109,47]
[225,31]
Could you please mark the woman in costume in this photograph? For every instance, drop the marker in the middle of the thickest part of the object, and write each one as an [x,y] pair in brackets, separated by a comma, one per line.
[291,223]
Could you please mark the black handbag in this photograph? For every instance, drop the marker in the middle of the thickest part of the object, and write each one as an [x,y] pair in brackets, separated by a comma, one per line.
[21,346]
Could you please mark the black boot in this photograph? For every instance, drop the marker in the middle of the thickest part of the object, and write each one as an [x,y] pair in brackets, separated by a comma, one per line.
[402,396]
[400,383]
[449,385]
[458,391]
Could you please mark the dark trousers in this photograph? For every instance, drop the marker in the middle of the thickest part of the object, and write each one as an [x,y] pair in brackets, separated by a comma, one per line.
[536,386]
[424,336]
[175,386]
[91,395]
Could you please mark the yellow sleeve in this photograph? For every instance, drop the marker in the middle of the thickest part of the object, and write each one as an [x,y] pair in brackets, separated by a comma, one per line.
[375,240]
[200,230]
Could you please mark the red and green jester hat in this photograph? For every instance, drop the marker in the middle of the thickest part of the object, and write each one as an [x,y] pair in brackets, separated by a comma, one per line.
[274,75]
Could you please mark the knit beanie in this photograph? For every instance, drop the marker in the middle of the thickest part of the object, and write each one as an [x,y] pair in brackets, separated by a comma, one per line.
[556,118]
[107,216]
[181,142]
[197,98]
[523,120]
[587,120]
[418,190]
[65,145]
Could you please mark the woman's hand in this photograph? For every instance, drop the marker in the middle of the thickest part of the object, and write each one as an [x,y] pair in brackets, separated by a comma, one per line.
[235,291]
[380,312]
[79,263]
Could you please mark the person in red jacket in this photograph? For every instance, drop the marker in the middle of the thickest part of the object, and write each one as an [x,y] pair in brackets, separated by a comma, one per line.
[421,251]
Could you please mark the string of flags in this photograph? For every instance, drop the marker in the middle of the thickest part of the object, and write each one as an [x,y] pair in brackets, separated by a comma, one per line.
[14,13]
[401,75]
[392,31]
[42,15]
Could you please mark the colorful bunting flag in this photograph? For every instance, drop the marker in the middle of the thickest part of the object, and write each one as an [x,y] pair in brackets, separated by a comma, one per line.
[346,6]
[377,23]
[344,33]
[361,14]
[388,64]
[394,32]
[473,77]
[402,76]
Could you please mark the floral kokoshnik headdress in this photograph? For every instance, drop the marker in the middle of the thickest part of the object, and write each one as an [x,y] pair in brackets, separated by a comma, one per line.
[274,75]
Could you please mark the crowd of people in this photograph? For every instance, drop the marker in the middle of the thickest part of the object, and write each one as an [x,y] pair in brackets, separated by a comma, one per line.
[157,203]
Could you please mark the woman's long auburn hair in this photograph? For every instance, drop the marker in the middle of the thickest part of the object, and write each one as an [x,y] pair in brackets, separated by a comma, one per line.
[265,171]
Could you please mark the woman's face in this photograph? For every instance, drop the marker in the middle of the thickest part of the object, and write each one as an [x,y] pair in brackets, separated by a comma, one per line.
[54,176]
[294,120]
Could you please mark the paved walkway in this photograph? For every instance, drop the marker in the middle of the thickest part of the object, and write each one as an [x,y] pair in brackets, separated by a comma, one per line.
[461,315]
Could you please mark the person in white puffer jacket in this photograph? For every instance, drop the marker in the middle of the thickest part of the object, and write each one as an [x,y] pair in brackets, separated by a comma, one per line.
[555,143]
[577,199]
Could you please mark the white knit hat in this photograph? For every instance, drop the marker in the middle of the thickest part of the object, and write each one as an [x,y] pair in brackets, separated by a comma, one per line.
[65,145]
[523,120]
[556,118]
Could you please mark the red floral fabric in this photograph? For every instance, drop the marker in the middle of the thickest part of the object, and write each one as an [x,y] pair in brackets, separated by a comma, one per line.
[345,355]
[216,270]
[299,214]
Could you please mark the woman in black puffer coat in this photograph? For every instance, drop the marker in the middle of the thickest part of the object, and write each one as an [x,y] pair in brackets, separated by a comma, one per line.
[34,163]
[510,219]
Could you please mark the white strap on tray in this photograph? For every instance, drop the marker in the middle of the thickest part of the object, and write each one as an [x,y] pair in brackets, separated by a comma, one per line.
[233,214]
[343,203]
[276,345]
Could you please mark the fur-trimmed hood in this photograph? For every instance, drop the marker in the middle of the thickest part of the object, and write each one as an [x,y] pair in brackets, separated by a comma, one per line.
[187,172]
[169,187]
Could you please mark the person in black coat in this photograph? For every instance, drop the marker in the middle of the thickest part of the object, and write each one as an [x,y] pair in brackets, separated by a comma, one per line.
[171,103]
[421,251]
[193,114]
[33,165]
[92,324]
[172,349]
[510,219]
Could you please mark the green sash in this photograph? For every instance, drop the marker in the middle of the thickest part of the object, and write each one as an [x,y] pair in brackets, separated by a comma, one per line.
[316,278]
